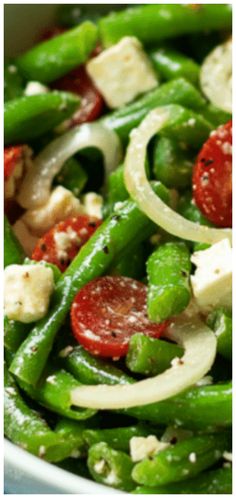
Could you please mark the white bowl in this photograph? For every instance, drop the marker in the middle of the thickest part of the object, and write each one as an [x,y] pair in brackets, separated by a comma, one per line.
[25,473]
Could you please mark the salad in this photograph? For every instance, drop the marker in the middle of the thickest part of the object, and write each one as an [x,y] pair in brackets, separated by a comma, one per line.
[118,257]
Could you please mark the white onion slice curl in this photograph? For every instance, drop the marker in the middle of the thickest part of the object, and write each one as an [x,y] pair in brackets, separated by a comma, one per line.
[36,187]
[199,343]
[140,190]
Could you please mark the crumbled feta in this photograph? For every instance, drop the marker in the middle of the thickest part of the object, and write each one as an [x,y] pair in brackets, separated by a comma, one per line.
[92,204]
[64,241]
[25,237]
[99,466]
[227,456]
[61,205]
[111,478]
[27,292]
[144,447]
[42,451]
[192,457]
[122,72]
[205,381]
[175,434]
[65,352]
[212,280]
[35,88]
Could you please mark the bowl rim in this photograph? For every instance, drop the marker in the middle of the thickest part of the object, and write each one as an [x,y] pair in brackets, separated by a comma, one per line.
[67,482]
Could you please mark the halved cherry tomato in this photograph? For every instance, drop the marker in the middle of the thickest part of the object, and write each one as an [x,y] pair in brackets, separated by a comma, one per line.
[13,156]
[78,81]
[212,177]
[62,242]
[108,311]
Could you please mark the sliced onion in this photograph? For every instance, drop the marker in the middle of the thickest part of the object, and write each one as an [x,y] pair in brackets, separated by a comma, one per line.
[216,76]
[199,343]
[35,189]
[140,190]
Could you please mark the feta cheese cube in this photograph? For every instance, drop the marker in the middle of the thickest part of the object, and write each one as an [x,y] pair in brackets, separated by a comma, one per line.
[122,72]
[92,203]
[61,205]
[27,292]
[143,447]
[35,88]
[212,280]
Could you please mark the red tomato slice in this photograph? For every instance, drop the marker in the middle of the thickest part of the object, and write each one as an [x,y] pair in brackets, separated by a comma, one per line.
[212,177]
[78,81]
[62,242]
[108,311]
[13,156]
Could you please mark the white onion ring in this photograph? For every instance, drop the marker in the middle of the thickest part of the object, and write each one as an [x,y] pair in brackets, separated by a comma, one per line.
[199,343]
[140,190]
[35,189]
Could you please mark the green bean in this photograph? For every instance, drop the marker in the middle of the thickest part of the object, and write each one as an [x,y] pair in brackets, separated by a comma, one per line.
[189,210]
[178,91]
[117,232]
[131,264]
[172,165]
[150,356]
[13,81]
[186,126]
[13,252]
[53,392]
[203,408]
[213,482]
[116,188]
[172,64]
[215,115]
[14,333]
[72,432]
[198,408]
[29,117]
[110,467]
[184,460]
[151,23]
[90,370]
[72,176]
[26,428]
[70,15]
[168,270]
[220,321]
[53,58]
[117,438]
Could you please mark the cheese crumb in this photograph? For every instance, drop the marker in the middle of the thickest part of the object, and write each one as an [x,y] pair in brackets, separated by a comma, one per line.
[92,204]
[122,72]
[144,447]
[35,88]
[61,205]
[192,457]
[100,466]
[212,280]
[227,456]
[27,292]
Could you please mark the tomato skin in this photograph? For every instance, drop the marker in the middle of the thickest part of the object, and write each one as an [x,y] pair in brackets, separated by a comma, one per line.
[12,156]
[78,81]
[79,228]
[92,104]
[212,177]
[107,311]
